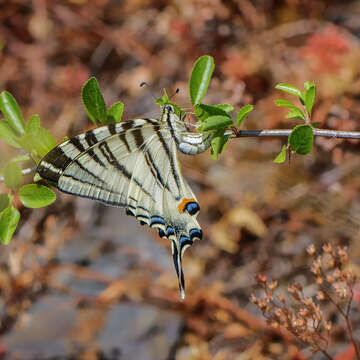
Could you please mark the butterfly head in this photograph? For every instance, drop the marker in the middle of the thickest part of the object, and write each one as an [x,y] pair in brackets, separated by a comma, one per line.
[167,111]
[172,113]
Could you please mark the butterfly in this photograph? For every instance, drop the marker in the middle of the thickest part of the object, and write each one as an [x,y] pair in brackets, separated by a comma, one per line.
[134,164]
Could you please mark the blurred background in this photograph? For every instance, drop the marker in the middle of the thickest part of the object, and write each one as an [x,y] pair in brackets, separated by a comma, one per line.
[83,281]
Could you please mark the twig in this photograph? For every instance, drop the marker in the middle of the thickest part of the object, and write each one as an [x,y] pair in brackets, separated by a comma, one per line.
[23,172]
[335,134]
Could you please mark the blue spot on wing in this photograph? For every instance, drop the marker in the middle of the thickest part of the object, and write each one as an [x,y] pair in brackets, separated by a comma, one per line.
[170,231]
[195,233]
[184,240]
[155,220]
[192,208]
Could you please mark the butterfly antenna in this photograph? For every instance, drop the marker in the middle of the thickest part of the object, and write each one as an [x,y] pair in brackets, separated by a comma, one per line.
[173,95]
[144,83]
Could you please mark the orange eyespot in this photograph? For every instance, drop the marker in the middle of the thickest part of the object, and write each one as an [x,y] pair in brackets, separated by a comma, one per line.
[183,204]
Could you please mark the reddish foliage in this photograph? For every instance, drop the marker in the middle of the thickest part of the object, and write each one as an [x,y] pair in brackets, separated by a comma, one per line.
[326,48]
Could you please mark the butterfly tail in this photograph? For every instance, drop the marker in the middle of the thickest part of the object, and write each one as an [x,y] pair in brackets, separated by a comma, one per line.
[176,254]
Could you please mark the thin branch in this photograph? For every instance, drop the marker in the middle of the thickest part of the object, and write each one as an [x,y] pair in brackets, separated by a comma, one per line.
[23,172]
[335,134]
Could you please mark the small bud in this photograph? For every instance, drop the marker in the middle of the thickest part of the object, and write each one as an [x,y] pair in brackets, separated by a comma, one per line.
[315,269]
[328,326]
[342,253]
[320,296]
[318,313]
[298,286]
[341,290]
[311,250]
[337,274]
[262,305]
[327,248]
[254,299]
[273,285]
[304,312]
[294,292]
[299,322]
[330,279]
[319,280]
[274,324]
[261,278]
[330,262]
[308,302]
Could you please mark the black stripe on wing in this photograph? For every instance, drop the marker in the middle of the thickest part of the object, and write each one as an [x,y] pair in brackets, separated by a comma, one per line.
[172,162]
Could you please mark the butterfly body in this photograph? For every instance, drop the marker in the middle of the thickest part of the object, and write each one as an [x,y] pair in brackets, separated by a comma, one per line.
[134,164]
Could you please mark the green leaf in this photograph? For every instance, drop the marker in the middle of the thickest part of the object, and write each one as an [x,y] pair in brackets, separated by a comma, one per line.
[301,139]
[281,156]
[316,124]
[309,98]
[12,175]
[46,142]
[36,196]
[289,89]
[40,144]
[215,122]
[308,84]
[4,201]
[8,134]
[93,101]
[243,113]
[12,112]
[200,78]
[114,113]
[218,143]
[204,111]
[163,100]
[9,219]
[33,125]
[295,113]
[20,158]
[226,107]
[285,103]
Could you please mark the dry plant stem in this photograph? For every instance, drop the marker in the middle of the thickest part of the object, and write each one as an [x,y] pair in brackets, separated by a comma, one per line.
[325,353]
[335,134]
[346,317]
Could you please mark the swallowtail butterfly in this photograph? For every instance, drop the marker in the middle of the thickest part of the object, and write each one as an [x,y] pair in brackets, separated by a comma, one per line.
[134,164]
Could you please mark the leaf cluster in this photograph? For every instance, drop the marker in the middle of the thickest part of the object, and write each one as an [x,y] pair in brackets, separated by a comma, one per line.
[301,138]
[33,142]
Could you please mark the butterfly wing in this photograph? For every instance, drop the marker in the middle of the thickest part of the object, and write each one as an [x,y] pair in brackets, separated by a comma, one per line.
[132,164]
